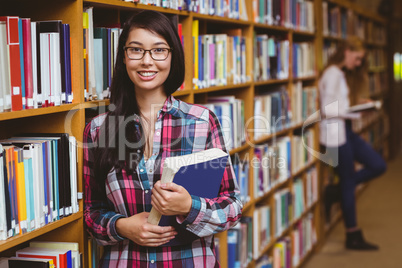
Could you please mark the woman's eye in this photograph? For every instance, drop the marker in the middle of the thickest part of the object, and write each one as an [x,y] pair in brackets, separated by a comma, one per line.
[135,49]
[159,50]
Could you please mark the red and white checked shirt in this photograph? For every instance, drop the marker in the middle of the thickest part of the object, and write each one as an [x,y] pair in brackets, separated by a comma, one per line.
[181,128]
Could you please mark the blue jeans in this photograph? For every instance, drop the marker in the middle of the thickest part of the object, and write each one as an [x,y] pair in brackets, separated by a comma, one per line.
[355,149]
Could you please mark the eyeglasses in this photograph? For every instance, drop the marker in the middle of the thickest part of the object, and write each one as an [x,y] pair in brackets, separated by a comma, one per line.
[158,54]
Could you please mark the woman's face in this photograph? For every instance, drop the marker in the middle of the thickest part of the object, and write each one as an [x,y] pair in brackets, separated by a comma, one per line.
[353,59]
[147,74]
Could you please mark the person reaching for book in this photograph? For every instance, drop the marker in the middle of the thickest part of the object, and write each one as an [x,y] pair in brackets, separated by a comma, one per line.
[124,152]
[343,82]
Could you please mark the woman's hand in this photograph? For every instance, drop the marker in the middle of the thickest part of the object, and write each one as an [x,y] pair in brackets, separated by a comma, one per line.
[171,199]
[137,229]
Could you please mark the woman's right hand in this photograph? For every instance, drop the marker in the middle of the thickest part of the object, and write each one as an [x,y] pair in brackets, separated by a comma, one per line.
[137,229]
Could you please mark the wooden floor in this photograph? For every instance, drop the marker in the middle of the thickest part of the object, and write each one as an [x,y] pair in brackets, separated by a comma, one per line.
[379,212]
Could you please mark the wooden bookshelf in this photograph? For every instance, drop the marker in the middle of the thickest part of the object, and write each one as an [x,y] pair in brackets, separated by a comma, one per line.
[52,119]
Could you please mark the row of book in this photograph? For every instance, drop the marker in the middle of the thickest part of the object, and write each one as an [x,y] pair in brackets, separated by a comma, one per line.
[35,63]
[271,165]
[233,9]
[303,60]
[45,254]
[340,22]
[248,239]
[230,112]
[302,144]
[295,14]
[304,102]
[271,58]
[272,112]
[241,170]
[219,59]
[38,181]
[100,51]
[376,58]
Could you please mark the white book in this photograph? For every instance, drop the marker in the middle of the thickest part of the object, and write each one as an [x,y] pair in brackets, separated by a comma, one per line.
[55,69]
[365,106]
[98,48]
[5,84]
[73,174]
[45,67]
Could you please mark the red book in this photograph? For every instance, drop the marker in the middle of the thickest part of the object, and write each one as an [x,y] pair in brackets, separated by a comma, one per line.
[27,47]
[61,258]
[13,46]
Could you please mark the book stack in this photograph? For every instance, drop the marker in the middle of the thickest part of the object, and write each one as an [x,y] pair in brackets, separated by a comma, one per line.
[219,59]
[272,112]
[241,171]
[230,112]
[271,58]
[304,237]
[303,60]
[311,187]
[38,181]
[295,14]
[100,51]
[45,254]
[240,243]
[35,63]
[261,229]
[299,204]
[282,211]
[301,142]
[282,253]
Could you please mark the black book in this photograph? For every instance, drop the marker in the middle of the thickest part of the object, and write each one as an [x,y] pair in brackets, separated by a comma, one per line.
[19,262]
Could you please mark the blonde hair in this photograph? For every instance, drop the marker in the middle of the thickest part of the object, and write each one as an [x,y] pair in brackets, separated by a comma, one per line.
[357,79]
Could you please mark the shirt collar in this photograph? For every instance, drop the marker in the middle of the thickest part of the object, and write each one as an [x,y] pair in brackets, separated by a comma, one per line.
[170,106]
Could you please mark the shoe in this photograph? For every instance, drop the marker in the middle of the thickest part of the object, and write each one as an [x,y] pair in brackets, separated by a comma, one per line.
[355,240]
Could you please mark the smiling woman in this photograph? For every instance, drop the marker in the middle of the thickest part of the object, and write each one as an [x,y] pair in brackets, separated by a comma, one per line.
[126,147]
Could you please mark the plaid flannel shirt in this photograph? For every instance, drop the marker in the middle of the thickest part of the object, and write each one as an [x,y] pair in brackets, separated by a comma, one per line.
[180,128]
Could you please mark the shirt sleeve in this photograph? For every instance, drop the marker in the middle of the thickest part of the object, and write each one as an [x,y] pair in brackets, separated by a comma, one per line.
[210,216]
[99,215]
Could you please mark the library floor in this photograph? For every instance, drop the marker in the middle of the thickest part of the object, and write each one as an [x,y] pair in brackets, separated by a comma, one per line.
[379,211]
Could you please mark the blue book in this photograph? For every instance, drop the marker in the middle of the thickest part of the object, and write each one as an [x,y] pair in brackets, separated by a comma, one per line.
[22,63]
[201,175]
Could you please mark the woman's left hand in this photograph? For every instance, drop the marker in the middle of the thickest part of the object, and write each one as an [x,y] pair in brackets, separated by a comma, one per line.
[171,199]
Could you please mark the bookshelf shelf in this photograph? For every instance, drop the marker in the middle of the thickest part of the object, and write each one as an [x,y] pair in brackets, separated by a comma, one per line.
[19,239]
[221,88]
[271,82]
[218,19]
[39,111]
[130,5]
[271,27]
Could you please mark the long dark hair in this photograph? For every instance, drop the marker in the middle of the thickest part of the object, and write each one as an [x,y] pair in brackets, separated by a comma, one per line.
[121,142]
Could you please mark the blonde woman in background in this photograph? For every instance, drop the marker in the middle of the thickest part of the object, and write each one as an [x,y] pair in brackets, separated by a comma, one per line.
[344,82]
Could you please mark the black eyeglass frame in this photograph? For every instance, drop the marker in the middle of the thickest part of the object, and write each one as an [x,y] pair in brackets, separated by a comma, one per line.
[150,53]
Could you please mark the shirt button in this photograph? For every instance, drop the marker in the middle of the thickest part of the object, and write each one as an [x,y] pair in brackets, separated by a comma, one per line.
[152,261]
[138,151]
[158,133]
[150,170]
[141,170]
[146,191]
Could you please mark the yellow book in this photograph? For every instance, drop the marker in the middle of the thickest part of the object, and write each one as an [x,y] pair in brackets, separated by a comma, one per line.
[21,194]
[195,32]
